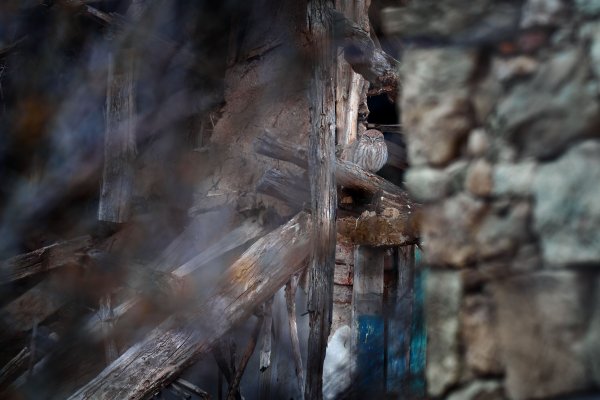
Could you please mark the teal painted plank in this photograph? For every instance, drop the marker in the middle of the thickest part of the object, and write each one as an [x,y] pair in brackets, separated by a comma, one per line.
[418,346]
[369,357]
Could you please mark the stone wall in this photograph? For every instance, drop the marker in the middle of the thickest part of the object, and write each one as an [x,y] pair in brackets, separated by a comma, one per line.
[500,106]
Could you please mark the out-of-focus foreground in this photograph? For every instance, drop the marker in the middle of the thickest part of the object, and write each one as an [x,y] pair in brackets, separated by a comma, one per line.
[178,218]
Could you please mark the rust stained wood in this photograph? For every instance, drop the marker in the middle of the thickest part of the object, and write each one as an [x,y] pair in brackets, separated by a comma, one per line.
[43,259]
[155,361]
[321,169]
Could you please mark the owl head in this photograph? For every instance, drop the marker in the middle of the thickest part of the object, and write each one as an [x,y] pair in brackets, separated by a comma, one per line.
[372,136]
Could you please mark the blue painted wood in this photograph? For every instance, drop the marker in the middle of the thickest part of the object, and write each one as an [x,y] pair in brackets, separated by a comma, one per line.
[369,357]
[418,345]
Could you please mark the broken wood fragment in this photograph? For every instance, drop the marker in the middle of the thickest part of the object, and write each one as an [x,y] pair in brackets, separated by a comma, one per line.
[44,259]
[148,365]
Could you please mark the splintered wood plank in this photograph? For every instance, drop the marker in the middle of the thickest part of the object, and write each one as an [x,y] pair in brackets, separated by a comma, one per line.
[255,277]
[321,168]
[368,320]
[43,259]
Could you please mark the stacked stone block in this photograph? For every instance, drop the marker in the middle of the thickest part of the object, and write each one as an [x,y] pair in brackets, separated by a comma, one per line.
[500,105]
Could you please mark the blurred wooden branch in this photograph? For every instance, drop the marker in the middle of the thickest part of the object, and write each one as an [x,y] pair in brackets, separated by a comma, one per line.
[264,268]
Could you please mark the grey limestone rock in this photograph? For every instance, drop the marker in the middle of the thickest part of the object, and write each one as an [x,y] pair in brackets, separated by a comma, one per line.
[567,207]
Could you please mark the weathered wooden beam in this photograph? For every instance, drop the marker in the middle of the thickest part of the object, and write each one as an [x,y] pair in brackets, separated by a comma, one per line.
[321,168]
[150,364]
[347,174]
[368,321]
[243,234]
[367,59]
[120,129]
[389,228]
[119,141]
[292,189]
[44,259]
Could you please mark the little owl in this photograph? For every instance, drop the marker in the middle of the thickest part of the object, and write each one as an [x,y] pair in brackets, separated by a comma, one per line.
[369,151]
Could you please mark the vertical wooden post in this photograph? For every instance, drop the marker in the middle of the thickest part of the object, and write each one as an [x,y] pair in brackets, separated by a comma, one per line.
[400,323]
[119,140]
[368,320]
[349,86]
[321,162]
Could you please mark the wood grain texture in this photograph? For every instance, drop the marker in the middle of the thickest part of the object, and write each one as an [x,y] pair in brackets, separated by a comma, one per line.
[43,259]
[119,142]
[292,189]
[321,168]
[155,361]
